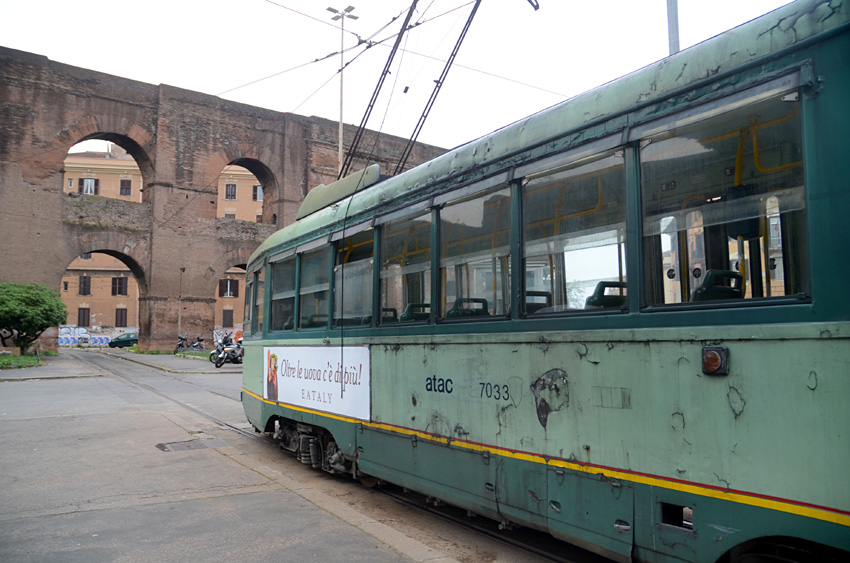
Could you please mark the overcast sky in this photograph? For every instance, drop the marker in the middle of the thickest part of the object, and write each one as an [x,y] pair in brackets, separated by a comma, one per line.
[514,61]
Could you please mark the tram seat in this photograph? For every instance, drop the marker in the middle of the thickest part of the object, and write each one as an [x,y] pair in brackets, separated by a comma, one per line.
[416,312]
[316,321]
[468,307]
[532,307]
[599,299]
[290,322]
[710,290]
[388,315]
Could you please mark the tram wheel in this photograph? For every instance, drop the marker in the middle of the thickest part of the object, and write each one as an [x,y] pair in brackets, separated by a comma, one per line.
[368,481]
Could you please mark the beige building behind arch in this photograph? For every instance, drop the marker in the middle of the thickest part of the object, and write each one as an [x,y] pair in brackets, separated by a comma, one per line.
[99,290]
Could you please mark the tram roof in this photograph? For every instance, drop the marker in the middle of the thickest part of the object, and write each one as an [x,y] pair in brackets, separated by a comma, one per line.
[772,32]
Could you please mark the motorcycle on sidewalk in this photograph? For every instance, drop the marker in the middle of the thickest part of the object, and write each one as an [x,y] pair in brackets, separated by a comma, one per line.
[230,351]
[219,338]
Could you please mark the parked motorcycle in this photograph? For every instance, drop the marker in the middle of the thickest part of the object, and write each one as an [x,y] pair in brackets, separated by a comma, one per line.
[231,351]
[221,339]
[183,344]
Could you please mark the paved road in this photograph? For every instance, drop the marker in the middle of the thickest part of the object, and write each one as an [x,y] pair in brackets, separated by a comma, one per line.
[108,459]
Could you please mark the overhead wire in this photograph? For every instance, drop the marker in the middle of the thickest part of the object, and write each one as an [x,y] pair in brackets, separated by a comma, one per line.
[382,42]
[349,159]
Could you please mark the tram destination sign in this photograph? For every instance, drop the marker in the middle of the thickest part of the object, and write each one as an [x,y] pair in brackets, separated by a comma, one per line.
[329,379]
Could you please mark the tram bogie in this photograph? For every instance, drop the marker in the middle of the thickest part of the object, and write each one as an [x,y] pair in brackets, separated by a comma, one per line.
[314,446]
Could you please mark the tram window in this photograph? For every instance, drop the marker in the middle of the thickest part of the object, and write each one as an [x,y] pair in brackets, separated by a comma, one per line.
[353,281]
[257,321]
[724,207]
[475,236]
[315,288]
[249,306]
[574,236]
[283,295]
[406,268]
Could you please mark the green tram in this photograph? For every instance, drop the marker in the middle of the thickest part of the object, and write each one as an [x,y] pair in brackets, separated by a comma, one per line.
[623,320]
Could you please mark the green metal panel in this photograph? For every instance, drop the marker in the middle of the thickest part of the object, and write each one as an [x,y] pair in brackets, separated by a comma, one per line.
[648,392]
[322,196]
[438,470]
[595,512]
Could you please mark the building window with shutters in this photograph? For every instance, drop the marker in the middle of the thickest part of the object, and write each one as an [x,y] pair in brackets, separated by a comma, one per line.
[258,193]
[230,191]
[121,318]
[227,318]
[85,285]
[83,316]
[126,187]
[228,288]
[89,186]
[119,286]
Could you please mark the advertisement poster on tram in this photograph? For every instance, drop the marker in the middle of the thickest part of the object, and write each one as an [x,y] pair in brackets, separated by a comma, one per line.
[334,380]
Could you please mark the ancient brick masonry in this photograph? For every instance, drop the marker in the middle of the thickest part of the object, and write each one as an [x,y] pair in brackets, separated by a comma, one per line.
[172,241]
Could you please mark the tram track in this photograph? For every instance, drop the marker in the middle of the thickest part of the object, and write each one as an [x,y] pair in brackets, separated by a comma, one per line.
[533,542]
[219,422]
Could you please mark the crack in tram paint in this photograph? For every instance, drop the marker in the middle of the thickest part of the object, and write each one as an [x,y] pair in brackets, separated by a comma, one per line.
[724,481]
[677,420]
[736,402]
[813,380]
[586,354]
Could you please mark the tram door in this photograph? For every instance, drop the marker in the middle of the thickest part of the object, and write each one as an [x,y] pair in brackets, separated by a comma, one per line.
[594,508]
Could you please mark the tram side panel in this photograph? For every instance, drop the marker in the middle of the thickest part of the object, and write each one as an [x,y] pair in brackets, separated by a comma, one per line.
[580,428]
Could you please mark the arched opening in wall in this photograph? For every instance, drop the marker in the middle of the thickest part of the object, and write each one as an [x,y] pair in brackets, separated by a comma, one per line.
[108,165]
[101,290]
[244,186]
[230,300]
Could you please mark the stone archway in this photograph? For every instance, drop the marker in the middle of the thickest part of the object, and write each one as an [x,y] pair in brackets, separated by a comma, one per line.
[181,141]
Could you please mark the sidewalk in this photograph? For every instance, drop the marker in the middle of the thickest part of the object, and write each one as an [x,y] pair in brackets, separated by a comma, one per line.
[173,363]
[65,365]
[52,367]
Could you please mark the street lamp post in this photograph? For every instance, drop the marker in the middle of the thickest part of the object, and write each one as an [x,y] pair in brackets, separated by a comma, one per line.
[180,304]
[341,15]
[673,25]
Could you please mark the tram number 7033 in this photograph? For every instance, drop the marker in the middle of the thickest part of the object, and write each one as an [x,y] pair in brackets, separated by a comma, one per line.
[495,391]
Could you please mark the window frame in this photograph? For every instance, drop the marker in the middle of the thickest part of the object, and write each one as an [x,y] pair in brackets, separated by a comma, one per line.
[120,286]
[473,307]
[701,114]
[575,160]
[323,285]
[224,318]
[86,316]
[290,292]
[84,286]
[228,288]
[120,317]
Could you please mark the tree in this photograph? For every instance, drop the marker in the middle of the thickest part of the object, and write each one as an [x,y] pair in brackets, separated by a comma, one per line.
[26,310]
